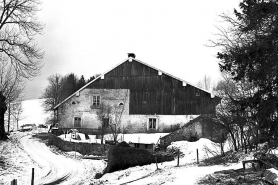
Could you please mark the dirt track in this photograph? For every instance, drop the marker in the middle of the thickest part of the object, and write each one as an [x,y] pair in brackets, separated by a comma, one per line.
[54,169]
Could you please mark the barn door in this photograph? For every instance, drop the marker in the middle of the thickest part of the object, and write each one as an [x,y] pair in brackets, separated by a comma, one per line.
[77,122]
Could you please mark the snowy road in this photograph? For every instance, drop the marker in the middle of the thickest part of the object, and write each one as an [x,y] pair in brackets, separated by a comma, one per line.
[54,169]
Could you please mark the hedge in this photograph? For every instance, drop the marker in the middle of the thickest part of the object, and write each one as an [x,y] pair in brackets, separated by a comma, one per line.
[122,156]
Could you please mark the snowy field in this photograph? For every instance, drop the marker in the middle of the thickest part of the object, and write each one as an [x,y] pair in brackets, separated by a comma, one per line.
[17,162]
[188,171]
[33,112]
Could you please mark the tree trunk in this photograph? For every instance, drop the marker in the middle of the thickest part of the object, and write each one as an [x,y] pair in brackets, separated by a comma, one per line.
[3,108]
[234,141]
[9,117]
[102,134]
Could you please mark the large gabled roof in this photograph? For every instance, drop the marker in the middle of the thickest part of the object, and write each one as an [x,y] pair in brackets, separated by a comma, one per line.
[183,81]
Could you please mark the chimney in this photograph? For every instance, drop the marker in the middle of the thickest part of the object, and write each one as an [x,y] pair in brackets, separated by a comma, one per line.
[131,55]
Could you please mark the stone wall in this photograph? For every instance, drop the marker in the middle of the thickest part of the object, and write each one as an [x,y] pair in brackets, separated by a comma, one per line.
[83,148]
[80,106]
[201,127]
[190,132]
[165,123]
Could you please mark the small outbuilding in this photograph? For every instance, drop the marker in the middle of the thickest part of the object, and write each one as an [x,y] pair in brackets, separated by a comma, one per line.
[204,126]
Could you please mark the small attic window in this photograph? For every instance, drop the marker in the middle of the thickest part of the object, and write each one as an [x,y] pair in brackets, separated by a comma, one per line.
[121,104]
[73,102]
[197,93]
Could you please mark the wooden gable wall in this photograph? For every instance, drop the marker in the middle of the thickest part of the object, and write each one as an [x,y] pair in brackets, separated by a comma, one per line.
[151,93]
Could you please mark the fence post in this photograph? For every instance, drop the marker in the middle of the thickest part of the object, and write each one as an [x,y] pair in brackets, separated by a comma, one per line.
[14,182]
[197,156]
[74,150]
[178,158]
[156,162]
[32,180]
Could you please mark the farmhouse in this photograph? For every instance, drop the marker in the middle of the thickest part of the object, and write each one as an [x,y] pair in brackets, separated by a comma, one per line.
[150,99]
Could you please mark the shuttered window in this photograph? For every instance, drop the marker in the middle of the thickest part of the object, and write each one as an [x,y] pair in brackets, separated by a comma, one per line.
[152,123]
[77,122]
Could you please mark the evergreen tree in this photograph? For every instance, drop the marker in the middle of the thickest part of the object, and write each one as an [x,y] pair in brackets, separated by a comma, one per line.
[81,82]
[250,53]
[69,85]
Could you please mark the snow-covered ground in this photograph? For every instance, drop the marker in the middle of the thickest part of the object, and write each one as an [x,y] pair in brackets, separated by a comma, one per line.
[23,152]
[21,157]
[14,162]
[152,138]
[187,173]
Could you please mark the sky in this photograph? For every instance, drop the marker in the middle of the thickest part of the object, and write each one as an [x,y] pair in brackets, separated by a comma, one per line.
[88,37]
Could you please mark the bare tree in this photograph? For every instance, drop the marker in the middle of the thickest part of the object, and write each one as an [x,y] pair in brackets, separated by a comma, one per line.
[16,111]
[116,120]
[205,83]
[111,116]
[19,55]
[104,115]
[11,85]
[18,27]
[243,130]
[52,93]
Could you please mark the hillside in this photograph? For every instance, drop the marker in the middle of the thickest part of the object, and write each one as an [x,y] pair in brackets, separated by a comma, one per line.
[33,112]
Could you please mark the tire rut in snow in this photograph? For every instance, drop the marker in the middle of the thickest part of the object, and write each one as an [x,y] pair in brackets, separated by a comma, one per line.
[55,169]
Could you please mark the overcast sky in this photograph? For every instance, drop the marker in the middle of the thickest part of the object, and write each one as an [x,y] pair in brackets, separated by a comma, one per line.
[92,36]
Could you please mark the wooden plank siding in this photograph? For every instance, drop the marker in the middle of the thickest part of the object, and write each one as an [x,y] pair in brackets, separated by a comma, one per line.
[151,93]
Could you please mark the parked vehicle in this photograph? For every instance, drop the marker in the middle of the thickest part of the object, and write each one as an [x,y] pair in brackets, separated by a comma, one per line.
[42,126]
[74,133]
[53,128]
[27,127]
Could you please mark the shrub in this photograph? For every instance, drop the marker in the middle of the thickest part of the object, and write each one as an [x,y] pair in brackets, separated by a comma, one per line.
[174,151]
[122,156]
[122,144]
[164,156]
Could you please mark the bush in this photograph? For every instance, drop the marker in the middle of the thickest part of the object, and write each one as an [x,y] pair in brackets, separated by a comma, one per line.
[120,158]
[174,151]
[164,156]
[122,144]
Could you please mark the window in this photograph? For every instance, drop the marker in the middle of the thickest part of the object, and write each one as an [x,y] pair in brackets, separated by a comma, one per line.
[197,94]
[96,100]
[152,123]
[77,122]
